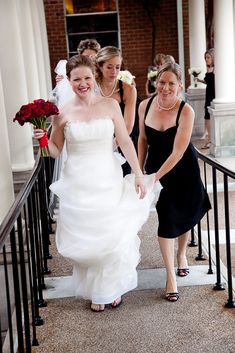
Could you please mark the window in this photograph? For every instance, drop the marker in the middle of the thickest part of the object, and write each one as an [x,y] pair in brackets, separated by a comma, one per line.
[91,19]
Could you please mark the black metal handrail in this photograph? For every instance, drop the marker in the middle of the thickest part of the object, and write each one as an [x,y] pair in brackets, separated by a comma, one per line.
[226,173]
[24,242]
[24,246]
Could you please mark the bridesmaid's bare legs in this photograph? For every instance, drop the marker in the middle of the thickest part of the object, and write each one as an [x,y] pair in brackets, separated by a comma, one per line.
[167,247]
[181,254]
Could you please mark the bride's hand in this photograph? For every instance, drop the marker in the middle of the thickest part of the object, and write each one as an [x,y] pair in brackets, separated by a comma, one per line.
[140,187]
[38,133]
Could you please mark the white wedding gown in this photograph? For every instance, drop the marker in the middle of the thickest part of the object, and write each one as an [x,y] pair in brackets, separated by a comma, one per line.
[100,213]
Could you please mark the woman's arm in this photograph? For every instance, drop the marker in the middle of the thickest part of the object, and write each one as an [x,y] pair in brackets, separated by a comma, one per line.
[142,140]
[148,94]
[127,146]
[56,141]
[147,89]
[202,81]
[123,137]
[181,141]
[130,96]
[59,78]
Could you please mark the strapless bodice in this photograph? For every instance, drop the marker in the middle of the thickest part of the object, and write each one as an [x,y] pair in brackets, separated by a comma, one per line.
[85,137]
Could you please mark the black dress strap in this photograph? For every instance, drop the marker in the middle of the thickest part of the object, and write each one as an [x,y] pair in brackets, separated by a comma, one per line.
[148,105]
[121,90]
[121,93]
[178,114]
[179,111]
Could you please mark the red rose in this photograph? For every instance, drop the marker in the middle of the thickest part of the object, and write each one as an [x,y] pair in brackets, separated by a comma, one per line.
[39,101]
[26,111]
[50,109]
[19,118]
[38,112]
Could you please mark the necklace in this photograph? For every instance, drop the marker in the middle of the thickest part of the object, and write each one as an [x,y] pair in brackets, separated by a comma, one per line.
[111,93]
[163,108]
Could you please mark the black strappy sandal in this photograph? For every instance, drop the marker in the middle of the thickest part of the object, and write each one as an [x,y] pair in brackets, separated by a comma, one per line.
[172,297]
[182,272]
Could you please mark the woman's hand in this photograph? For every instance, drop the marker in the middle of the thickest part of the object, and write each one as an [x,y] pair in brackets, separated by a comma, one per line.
[58,78]
[38,133]
[140,187]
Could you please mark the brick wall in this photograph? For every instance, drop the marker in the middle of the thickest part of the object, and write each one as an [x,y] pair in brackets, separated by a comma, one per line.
[136,35]
[135,32]
[56,32]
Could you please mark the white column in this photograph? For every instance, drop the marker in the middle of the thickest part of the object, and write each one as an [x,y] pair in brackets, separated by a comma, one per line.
[234,29]
[197,35]
[45,48]
[222,108]
[28,49]
[6,180]
[14,85]
[224,51]
[195,96]
[39,47]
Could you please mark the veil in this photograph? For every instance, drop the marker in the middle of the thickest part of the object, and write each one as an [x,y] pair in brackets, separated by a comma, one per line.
[60,95]
[62,92]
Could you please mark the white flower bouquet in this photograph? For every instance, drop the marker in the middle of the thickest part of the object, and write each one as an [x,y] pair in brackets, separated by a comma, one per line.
[195,71]
[152,74]
[126,76]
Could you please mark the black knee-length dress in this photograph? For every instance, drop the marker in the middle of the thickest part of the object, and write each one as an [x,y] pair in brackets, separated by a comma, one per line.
[183,200]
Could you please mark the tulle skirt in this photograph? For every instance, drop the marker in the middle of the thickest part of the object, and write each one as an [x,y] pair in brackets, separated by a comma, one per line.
[98,229]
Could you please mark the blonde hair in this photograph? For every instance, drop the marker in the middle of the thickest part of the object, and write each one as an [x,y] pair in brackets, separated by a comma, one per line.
[211,52]
[170,67]
[169,59]
[103,55]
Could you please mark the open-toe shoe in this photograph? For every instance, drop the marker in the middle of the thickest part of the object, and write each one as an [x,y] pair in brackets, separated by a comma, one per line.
[97,308]
[116,303]
[182,272]
[206,146]
[172,297]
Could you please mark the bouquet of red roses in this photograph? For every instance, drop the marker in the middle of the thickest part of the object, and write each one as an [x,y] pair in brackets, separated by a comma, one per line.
[37,113]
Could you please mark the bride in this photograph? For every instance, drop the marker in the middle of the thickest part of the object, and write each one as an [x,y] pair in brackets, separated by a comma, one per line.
[100,212]
[60,95]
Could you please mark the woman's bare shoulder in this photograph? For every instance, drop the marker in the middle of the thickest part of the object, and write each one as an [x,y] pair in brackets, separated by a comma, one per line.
[143,104]
[106,101]
[188,110]
[129,87]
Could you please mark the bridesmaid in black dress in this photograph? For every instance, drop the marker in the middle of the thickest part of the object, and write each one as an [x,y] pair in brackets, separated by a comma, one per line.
[164,147]
[108,65]
[209,80]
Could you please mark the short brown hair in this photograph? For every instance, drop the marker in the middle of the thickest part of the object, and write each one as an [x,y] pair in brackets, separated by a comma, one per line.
[91,44]
[77,61]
